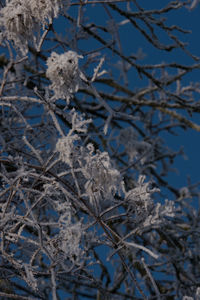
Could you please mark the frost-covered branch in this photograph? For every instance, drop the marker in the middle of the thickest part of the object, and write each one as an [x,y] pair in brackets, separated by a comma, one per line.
[87,206]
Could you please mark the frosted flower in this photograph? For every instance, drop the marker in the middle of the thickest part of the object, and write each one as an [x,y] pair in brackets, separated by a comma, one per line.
[79,124]
[159,213]
[64,73]
[17,23]
[102,178]
[44,10]
[20,18]
[66,148]
[139,198]
[67,241]
[70,238]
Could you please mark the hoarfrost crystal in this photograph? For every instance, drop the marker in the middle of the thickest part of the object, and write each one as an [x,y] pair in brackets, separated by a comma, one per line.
[103,180]
[64,73]
[104,176]
[66,148]
[139,198]
[68,239]
[17,23]
[44,10]
[20,19]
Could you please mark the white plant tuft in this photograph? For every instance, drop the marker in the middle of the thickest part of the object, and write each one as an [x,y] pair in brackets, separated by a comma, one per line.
[21,19]
[64,73]
[45,10]
[18,23]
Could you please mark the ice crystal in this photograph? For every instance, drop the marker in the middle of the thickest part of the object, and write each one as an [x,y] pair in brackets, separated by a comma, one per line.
[100,178]
[79,124]
[68,146]
[70,235]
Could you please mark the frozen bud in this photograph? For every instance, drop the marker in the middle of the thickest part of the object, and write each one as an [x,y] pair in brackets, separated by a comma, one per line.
[64,73]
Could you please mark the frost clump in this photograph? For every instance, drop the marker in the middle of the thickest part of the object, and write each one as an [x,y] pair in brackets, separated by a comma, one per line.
[100,180]
[19,19]
[139,198]
[70,238]
[44,10]
[66,148]
[140,202]
[64,73]
[103,180]
[67,243]
[17,22]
